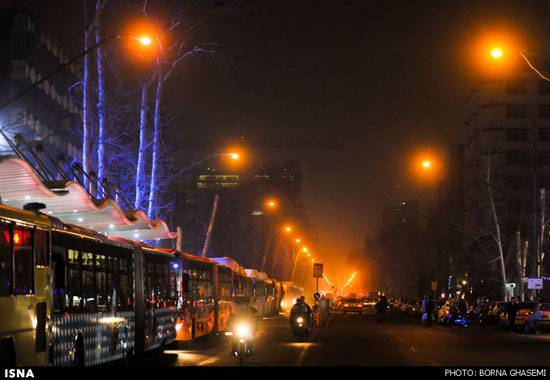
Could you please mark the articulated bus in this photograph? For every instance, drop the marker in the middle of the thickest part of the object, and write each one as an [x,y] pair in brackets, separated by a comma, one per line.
[73,297]
[70,296]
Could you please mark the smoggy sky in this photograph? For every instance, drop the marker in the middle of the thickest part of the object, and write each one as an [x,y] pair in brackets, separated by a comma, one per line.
[380,78]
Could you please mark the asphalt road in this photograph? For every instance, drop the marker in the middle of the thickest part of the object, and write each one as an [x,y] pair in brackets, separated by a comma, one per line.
[354,340]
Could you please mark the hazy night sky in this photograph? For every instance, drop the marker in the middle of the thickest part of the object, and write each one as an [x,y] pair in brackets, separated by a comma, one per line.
[380,78]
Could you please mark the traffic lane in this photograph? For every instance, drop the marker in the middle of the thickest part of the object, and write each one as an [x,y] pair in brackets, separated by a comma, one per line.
[359,340]
[401,340]
[472,346]
[274,346]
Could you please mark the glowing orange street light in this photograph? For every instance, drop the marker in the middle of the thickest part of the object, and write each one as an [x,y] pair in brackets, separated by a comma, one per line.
[234,156]
[271,204]
[496,53]
[288,228]
[145,40]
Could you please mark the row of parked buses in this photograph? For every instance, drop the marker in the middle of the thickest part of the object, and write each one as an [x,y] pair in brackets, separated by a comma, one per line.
[70,296]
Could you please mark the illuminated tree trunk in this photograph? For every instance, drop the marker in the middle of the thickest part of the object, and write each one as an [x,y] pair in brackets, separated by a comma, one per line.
[155,154]
[100,106]
[140,170]
[86,140]
[497,235]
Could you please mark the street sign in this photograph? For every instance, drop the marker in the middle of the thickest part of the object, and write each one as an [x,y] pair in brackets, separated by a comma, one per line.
[534,283]
[317,270]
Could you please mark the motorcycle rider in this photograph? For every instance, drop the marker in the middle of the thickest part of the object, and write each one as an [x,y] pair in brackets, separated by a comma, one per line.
[301,308]
[381,307]
[244,313]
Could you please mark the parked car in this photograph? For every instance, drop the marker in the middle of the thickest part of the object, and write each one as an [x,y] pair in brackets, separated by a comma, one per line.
[524,309]
[545,316]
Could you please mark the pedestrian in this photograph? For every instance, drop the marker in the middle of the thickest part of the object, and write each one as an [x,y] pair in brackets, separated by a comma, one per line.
[427,309]
[511,311]
[462,306]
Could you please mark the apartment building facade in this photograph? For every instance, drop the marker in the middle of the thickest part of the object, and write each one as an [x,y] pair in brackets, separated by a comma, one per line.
[507,145]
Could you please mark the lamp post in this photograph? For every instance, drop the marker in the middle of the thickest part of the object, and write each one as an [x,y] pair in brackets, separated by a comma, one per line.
[234,156]
[216,199]
[271,204]
[286,229]
[498,53]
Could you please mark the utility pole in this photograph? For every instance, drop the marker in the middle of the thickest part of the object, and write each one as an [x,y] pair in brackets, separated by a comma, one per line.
[210,226]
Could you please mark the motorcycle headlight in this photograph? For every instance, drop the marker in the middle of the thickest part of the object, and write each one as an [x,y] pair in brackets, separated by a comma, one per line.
[299,319]
[243,330]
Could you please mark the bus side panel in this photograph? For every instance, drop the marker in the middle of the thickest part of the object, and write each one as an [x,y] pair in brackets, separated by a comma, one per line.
[197,315]
[19,329]
[105,337]
[224,303]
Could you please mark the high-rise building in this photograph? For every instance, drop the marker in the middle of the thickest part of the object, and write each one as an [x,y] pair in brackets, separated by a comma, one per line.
[507,144]
[49,115]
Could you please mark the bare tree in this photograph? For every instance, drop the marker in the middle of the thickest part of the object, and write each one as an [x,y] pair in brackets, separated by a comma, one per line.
[181,36]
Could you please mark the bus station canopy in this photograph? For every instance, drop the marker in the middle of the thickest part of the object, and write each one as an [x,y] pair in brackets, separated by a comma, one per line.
[69,202]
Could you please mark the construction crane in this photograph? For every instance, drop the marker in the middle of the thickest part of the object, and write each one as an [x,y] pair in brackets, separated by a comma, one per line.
[260,143]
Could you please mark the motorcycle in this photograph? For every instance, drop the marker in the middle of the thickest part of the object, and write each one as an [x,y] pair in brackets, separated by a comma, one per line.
[301,326]
[481,317]
[243,337]
[460,319]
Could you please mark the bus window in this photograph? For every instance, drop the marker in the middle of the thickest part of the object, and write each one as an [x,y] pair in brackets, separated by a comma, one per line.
[58,283]
[5,259]
[74,282]
[23,260]
[124,301]
[41,248]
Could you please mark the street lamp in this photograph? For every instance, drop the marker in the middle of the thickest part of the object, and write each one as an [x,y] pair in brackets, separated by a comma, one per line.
[498,53]
[287,229]
[271,204]
[234,156]
[145,40]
